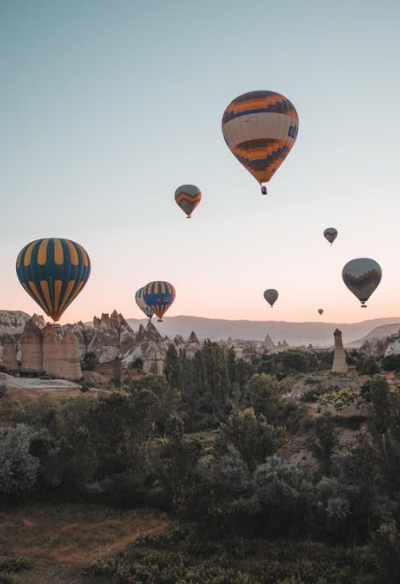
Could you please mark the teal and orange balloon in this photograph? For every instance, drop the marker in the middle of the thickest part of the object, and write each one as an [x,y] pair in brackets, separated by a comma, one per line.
[362,276]
[53,272]
[159,296]
[260,128]
[188,197]
[142,304]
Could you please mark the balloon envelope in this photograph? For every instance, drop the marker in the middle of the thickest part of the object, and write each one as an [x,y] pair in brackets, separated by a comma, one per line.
[362,276]
[53,272]
[159,296]
[142,304]
[260,128]
[271,296]
[187,197]
[320,311]
[330,234]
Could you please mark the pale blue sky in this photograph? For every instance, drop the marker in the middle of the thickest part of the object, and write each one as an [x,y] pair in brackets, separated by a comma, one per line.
[107,106]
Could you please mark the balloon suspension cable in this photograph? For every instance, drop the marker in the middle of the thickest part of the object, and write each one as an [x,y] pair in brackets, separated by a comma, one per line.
[263,190]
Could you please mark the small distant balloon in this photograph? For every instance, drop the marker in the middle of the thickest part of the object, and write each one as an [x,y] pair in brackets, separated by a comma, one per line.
[320,311]
[53,272]
[142,304]
[159,296]
[271,296]
[260,128]
[187,197]
[362,276]
[330,234]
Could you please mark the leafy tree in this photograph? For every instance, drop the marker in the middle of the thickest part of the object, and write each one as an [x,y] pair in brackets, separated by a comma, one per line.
[177,458]
[368,366]
[281,497]
[261,394]
[172,368]
[391,362]
[18,467]
[89,361]
[251,435]
[323,441]
[386,544]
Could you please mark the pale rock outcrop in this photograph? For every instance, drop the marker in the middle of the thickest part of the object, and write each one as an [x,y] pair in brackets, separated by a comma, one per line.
[9,352]
[393,348]
[112,337]
[339,356]
[268,342]
[151,334]
[84,335]
[61,353]
[153,356]
[31,346]
[193,338]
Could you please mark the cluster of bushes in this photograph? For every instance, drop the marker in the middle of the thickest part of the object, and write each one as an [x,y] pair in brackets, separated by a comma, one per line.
[185,558]
[136,447]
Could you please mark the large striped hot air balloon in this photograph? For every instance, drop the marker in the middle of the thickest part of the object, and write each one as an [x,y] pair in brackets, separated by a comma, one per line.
[142,304]
[260,128]
[53,271]
[362,276]
[187,197]
[159,296]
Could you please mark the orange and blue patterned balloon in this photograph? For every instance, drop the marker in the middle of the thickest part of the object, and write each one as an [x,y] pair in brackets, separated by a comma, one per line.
[187,197]
[260,128]
[159,296]
[362,276]
[53,272]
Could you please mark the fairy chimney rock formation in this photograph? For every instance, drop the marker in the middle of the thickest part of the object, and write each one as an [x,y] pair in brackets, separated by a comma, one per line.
[339,357]
[31,346]
[61,353]
[9,352]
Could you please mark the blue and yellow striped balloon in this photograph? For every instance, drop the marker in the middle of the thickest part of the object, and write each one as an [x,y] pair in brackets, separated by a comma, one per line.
[53,271]
[159,296]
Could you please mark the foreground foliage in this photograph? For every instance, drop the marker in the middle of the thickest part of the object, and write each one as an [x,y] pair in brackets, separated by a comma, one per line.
[185,559]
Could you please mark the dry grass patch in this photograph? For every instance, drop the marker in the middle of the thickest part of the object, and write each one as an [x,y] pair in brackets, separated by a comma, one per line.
[73,534]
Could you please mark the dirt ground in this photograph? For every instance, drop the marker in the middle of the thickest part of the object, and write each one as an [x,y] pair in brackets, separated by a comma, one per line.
[58,542]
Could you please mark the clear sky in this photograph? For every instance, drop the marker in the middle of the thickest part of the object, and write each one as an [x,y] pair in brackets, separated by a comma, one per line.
[107,106]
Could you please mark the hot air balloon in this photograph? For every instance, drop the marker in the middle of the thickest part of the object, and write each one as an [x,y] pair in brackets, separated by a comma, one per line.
[53,271]
[271,296]
[362,277]
[187,197]
[320,311]
[260,128]
[330,234]
[142,304]
[159,296]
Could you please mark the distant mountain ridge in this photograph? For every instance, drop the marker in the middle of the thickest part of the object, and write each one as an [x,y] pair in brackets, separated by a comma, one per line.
[319,334]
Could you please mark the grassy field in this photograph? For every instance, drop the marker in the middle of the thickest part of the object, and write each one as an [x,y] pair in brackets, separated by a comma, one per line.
[57,542]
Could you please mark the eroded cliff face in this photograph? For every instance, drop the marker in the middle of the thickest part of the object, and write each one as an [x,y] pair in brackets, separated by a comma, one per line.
[112,337]
[60,356]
